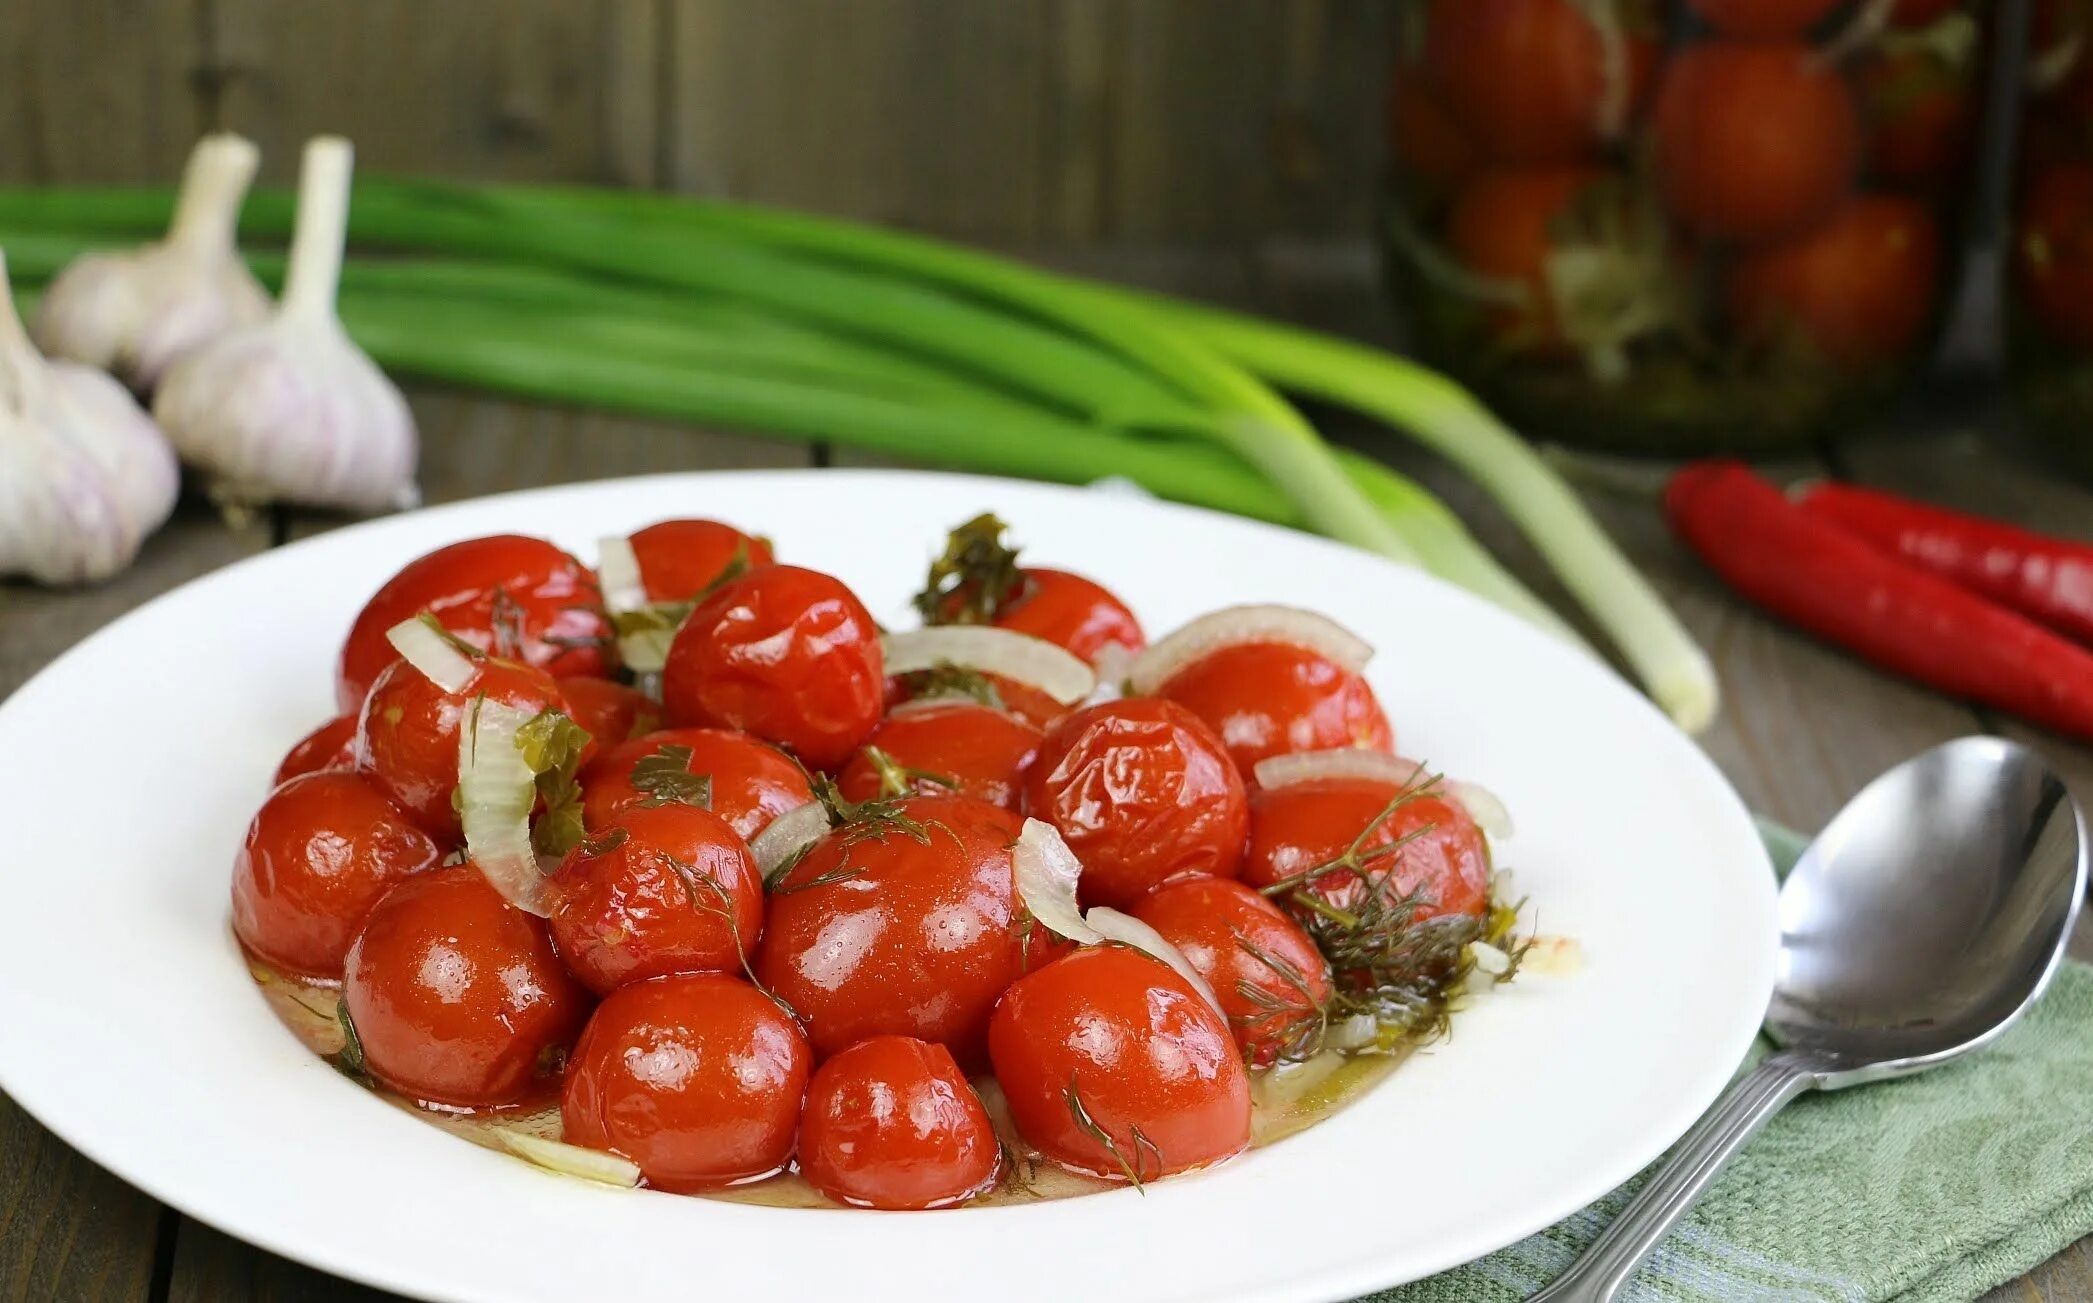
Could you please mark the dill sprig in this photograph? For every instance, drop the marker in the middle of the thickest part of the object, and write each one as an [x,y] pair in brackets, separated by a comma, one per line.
[855,823]
[708,896]
[897,779]
[349,1060]
[962,682]
[506,622]
[978,568]
[1143,1148]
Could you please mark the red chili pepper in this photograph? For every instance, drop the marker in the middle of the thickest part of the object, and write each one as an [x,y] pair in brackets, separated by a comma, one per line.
[2046,579]
[1901,618]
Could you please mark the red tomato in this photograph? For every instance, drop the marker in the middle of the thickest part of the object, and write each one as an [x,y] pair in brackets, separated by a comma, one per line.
[1764,19]
[752,782]
[1921,121]
[892,1123]
[1272,981]
[457,995]
[680,559]
[1858,291]
[697,1078]
[330,746]
[609,712]
[1526,79]
[407,738]
[671,889]
[1070,611]
[1021,701]
[1754,142]
[1269,699]
[1921,13]
[1115,1066]
[507,588]
[1303,826]
[1502,226]
[974,750]
[1142,791]
[1430,145]
[899,928]
[790,655]
[2053,257]
[319,854]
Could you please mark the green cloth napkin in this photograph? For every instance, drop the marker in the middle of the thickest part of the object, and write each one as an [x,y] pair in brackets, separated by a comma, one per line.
[1937,1187]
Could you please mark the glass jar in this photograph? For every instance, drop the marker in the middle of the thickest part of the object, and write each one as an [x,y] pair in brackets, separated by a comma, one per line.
[1671,228]
[2049,291]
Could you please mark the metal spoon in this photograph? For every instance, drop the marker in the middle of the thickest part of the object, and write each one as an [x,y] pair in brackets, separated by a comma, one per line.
[1925,918]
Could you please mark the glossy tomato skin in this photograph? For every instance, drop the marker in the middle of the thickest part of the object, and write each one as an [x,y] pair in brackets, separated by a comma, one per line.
[903,938]
[983,752]
[671,889]
[1070,611]
[752,781]
[1232,935]
[1295,828]
[787,654]
[1524,79]
[698,1078]
[1921,120]
[1127,1039]
[1501,226]
[1021,701]
[1143,791]
[892,1123]
[609,712]
[1755,141]
[330,746]
[320,853]
[1764,19]
[457,995]
[1270,699]
[407,736]
[679,559]
[2054,253]
[1858,290]
[1432,147]
[557,608]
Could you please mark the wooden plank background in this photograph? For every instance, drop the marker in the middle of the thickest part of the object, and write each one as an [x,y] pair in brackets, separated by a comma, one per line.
[1230,151]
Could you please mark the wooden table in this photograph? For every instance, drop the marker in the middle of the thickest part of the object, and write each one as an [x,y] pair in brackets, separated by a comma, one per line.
[1802,729]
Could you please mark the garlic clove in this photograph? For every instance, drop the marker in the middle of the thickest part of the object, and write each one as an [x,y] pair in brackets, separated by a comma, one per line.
[132,313]
[84,474]
[291,410]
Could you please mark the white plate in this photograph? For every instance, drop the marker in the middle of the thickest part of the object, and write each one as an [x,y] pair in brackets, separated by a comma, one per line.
[129,1026]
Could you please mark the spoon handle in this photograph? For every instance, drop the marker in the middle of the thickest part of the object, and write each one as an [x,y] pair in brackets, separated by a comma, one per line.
[1674,1187]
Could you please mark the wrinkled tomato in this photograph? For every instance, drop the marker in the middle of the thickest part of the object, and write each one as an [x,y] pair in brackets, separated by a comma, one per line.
[1267,699]
[892,1123]
[787,654]
[1271,980]
[1411,843]
[697,1078]
[323,849]
[1115,1066]
[519,597]
[944,747]
[679,559]
[1142,791]
[1069,611]
[330,746]
[749,782]
[457,996]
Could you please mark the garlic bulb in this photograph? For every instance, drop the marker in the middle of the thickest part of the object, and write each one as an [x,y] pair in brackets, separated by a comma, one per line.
[290,410]
[84,474]
[131,314]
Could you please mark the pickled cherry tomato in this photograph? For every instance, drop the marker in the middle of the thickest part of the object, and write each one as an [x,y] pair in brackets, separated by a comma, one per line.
[330,746]
[407,737]
[609,712]
[787,654]
[680,559]
[892,1123]
[489,591]
[1762,20]
[1142,791]
[750,782]
[947,747]
[697,1078]
[1441,854]
[457,996]
[320,853]
[1269,699]
[1272,981]
[1113,1065]
[1020,701]
[903,925]
[672,889]
[1070,611]
[1526,80]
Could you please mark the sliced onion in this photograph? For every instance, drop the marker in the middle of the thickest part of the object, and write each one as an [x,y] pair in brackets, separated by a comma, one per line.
[1489,959]
[1114,661]
[1047,872]
[1482,805]
[788,835]
[568,1160]
[1125,928]
[1240,624]
[1054,670]
[618,575]
[496,793]
[1342,762]
[430,652]
[1356,1032]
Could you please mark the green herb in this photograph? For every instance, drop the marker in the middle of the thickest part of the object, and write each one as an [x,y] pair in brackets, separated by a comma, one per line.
[1144,1149]
[664,775]
[603,843]
[349,1059]
[706,894]
[552,745]
[1295,1026]
[506,620]
[897,779]
[974,578]
[855,823]
[945,679]
[457,644]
